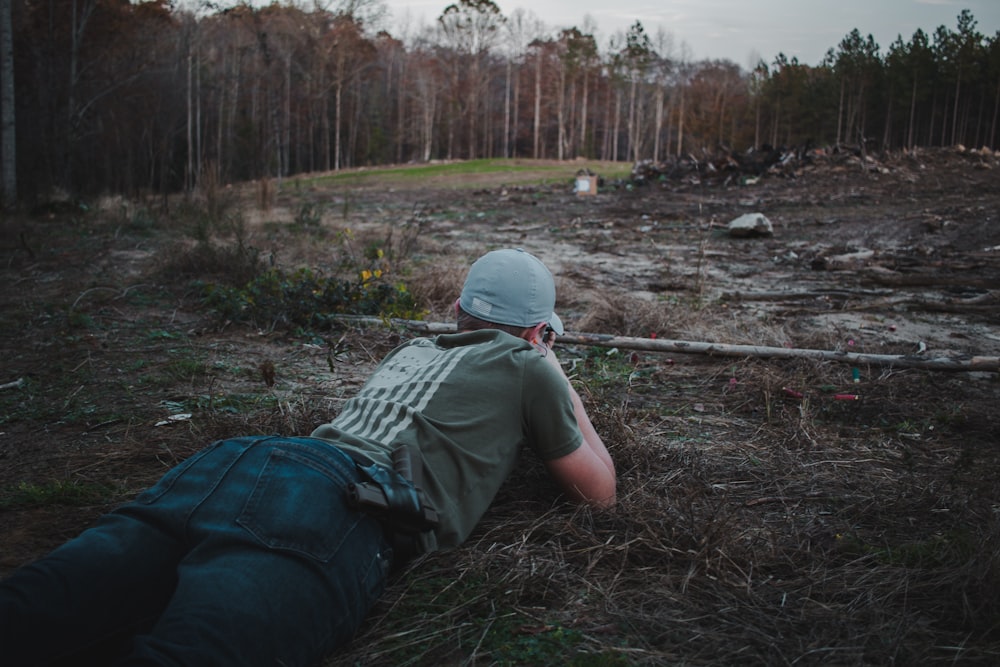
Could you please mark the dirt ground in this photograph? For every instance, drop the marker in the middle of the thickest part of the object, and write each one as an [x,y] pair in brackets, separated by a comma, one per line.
[764,518]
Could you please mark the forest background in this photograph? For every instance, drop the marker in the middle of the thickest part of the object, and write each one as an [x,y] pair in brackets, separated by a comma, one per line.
[142,98]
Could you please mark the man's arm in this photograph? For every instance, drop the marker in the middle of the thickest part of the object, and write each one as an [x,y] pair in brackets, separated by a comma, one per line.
[587,474]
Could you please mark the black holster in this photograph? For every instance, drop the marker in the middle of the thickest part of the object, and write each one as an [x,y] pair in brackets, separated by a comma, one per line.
[393,496]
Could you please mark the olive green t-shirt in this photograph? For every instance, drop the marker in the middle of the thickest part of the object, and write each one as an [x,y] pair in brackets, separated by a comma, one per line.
[468,402]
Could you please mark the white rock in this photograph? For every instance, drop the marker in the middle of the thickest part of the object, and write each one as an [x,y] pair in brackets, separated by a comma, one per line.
[751,224]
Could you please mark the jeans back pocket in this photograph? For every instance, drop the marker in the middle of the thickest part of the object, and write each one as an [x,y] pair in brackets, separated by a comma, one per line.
[299,504]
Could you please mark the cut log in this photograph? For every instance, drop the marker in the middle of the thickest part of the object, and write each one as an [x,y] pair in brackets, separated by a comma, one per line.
[962,363]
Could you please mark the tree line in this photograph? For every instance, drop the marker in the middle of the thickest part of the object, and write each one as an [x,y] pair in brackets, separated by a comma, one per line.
[100,96]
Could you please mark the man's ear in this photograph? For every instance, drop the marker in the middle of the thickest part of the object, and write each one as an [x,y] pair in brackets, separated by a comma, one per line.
[534,334]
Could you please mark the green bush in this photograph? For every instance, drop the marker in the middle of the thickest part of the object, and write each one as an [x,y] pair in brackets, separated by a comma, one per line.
[308,300]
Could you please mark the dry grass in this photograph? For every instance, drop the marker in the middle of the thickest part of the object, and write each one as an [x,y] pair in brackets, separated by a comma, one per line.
[625,315]
[436,284]
[754,526]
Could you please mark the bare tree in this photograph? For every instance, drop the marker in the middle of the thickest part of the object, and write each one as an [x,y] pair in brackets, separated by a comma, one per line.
[757,80]
[427,83]
[590,60]
[522,28]
[8,134]
[577,52]
[544,52]
[636,55]
[471,28]
[960,50]
[683,74]
[81,11]
[662,66]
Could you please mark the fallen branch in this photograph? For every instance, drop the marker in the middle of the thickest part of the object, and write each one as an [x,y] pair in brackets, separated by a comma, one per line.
[953,364]
[811,294]
[123,294]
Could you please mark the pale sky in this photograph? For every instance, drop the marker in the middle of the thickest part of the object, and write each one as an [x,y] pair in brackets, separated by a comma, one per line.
[740,30]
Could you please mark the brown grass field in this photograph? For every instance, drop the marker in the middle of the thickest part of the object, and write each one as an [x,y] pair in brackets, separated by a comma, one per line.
[762,520]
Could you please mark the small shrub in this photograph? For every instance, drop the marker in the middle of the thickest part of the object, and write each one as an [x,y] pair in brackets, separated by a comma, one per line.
[307,299]
[309,216]
[234,265]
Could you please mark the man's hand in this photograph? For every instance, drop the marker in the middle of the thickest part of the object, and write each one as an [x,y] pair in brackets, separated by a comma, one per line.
[549,337]
[588,473]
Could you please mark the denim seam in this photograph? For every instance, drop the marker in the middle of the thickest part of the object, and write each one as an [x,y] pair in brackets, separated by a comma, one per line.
[214,487]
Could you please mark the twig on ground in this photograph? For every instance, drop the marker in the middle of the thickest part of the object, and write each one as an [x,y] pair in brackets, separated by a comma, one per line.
[16,384]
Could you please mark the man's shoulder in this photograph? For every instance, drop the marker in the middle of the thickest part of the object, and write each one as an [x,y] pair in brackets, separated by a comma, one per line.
[480,337]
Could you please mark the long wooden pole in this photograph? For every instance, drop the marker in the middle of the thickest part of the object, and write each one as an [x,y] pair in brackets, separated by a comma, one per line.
[954,364]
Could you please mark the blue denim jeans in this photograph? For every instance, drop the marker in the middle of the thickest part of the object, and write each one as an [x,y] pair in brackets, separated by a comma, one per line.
[245,554]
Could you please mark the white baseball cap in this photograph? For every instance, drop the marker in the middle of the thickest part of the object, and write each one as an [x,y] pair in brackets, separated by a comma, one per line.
[512,287]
